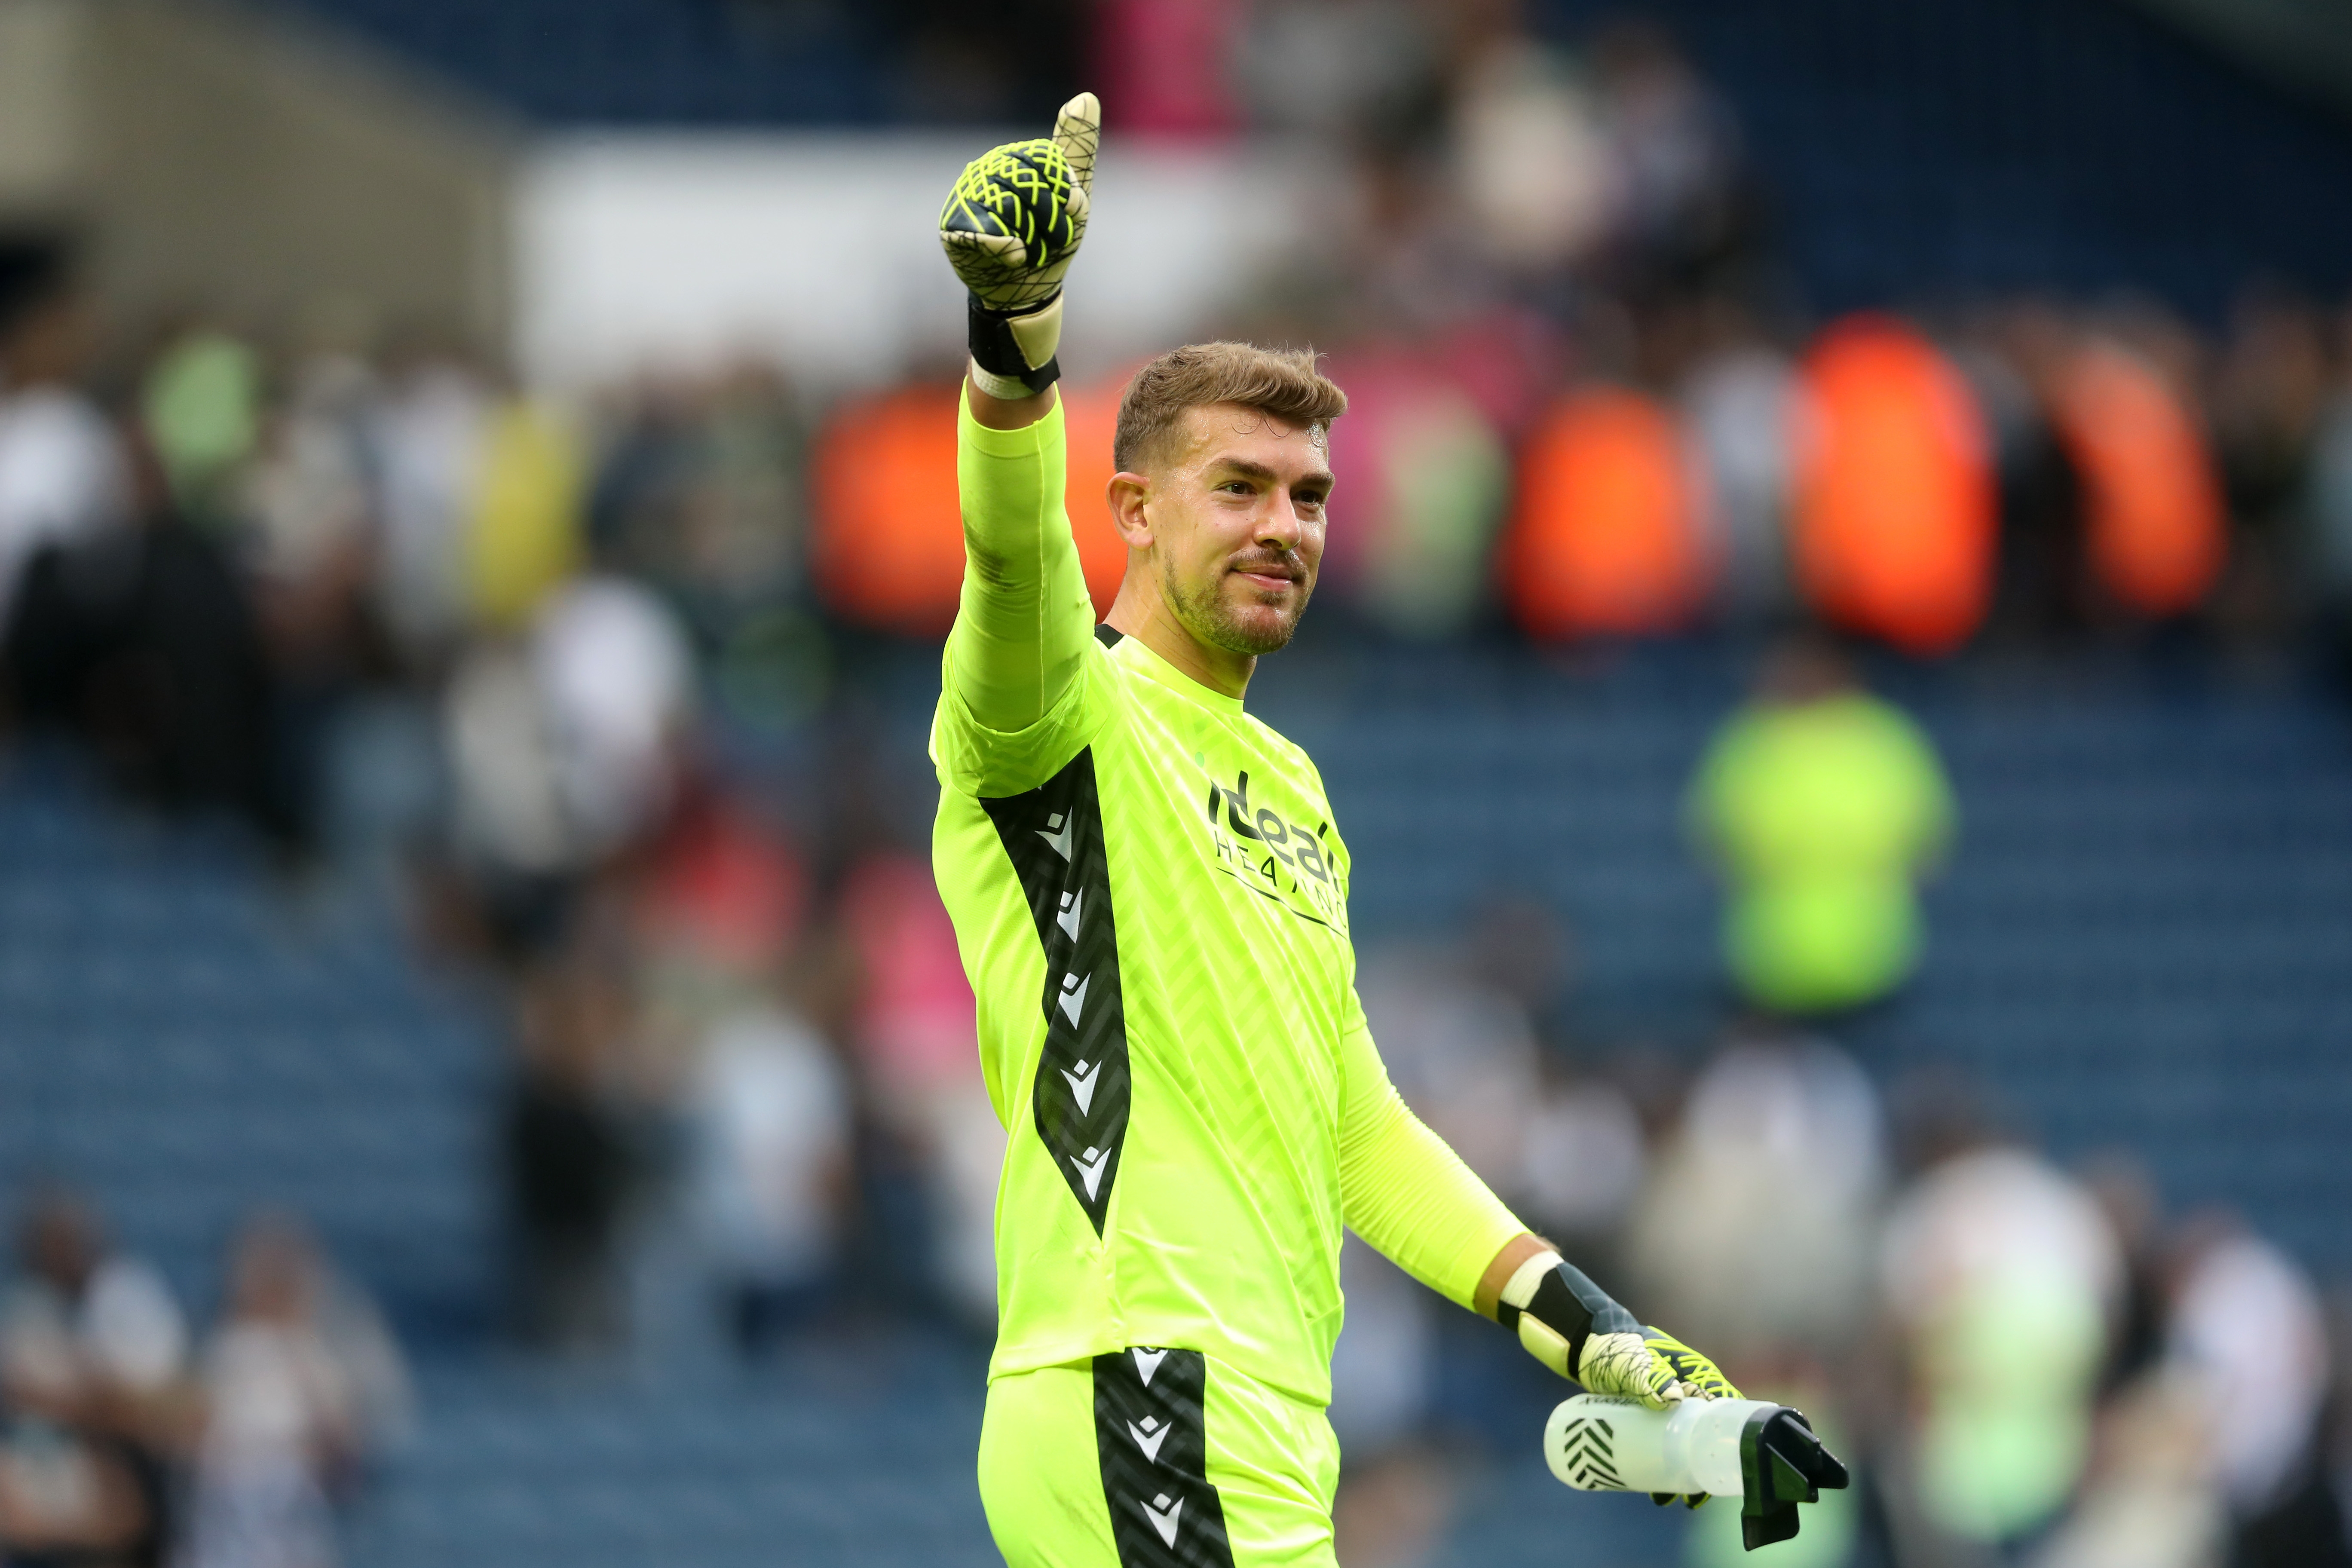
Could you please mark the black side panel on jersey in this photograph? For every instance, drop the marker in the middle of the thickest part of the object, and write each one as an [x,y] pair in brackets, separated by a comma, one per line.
[1054,836]
[1155,1459]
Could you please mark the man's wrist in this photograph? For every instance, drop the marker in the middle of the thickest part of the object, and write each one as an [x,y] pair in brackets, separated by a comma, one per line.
[1002,415]
[1557,1311]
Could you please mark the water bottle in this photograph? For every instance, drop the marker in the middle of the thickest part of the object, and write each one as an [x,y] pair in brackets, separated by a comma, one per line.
[1763,1454]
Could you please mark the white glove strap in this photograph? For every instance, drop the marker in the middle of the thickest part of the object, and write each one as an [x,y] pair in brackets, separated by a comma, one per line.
[1001,386]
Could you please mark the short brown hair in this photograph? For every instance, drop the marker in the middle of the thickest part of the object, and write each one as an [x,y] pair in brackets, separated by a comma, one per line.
[1282,382]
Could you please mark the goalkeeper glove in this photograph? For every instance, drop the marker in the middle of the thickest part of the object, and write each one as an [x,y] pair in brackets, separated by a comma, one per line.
[1569,1324]
[1010,227]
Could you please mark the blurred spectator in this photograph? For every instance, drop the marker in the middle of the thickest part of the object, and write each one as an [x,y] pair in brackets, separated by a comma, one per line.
[1584,1161]
[309,511]
[2270,391]
[2249,1339]
[201,406]
[1682,216]
[617,682]
[425,440]
[67,1494]
[916,1041]
[770,1117]
[63,475]
[700,490]
[722,893]
[1999,1274]
[1738,402]
[2018,356]
[1462,1053]
[522,536]
[1822,804]
[568,1161]
[142,642]
[302,1385]
[1432,480]
[1351,72]
[93,1353]
[1163,63]
[1754,1234]
[125,1327]
[2149,1502]
[2126,1195]
[565,749]
[1532,163]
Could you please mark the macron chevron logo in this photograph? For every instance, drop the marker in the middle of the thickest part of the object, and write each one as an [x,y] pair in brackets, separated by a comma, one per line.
[1082,1085]
[1057,832]
[1090,1171]
[1074,995]
[1587,1454]
[1148,1434]
[1072,902]
[1147,1364]
[1163,1510]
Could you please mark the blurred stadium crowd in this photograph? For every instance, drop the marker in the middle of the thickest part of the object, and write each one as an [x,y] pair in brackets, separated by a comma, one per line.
[569,675]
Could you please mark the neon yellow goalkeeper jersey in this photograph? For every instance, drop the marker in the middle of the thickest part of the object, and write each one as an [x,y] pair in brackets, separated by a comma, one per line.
[1152,901]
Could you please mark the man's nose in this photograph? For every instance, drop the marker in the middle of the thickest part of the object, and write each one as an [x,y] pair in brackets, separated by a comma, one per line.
[1278,523]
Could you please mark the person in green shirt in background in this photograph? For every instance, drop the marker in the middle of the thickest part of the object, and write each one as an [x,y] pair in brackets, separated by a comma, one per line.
[1823,806]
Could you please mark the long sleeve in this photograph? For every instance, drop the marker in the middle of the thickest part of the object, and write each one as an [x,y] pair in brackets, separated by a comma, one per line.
[1020,635]
[1404,1191]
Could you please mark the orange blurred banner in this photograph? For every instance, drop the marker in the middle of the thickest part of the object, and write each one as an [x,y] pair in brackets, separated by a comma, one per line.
[1895,503]
[2152,505]
[887,549]
[1605,536]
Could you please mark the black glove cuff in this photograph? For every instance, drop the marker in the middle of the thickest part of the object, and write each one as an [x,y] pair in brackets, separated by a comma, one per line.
[1574,1308]
[995,349]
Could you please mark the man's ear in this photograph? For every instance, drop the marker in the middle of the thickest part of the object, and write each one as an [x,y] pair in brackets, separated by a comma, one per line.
[1127,494]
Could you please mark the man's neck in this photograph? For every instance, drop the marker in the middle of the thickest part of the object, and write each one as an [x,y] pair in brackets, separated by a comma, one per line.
[1145,617]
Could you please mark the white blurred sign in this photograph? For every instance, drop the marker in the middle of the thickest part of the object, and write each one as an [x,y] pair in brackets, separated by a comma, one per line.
[679,251]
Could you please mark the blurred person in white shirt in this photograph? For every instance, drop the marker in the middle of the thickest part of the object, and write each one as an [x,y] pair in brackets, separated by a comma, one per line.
[565,748]
[1756,1226]
[1739,401]
[93,1356]
[425,440]
[2248,1330]
[2002,1276]
[116,1312]
[769,1110]
[302,1385]
[63,472]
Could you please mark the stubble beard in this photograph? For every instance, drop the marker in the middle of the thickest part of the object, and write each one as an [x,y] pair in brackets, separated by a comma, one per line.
[1206,614]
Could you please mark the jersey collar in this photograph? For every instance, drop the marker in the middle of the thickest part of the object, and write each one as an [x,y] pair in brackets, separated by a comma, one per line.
[1132,652]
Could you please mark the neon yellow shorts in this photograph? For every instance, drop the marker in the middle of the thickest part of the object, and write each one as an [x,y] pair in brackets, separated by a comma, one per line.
[1155,1458]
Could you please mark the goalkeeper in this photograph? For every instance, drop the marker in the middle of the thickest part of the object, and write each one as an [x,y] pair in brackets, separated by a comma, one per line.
[1150,896]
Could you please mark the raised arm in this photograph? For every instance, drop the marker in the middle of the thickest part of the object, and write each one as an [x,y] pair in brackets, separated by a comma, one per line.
[1011,227]
[1022,625]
